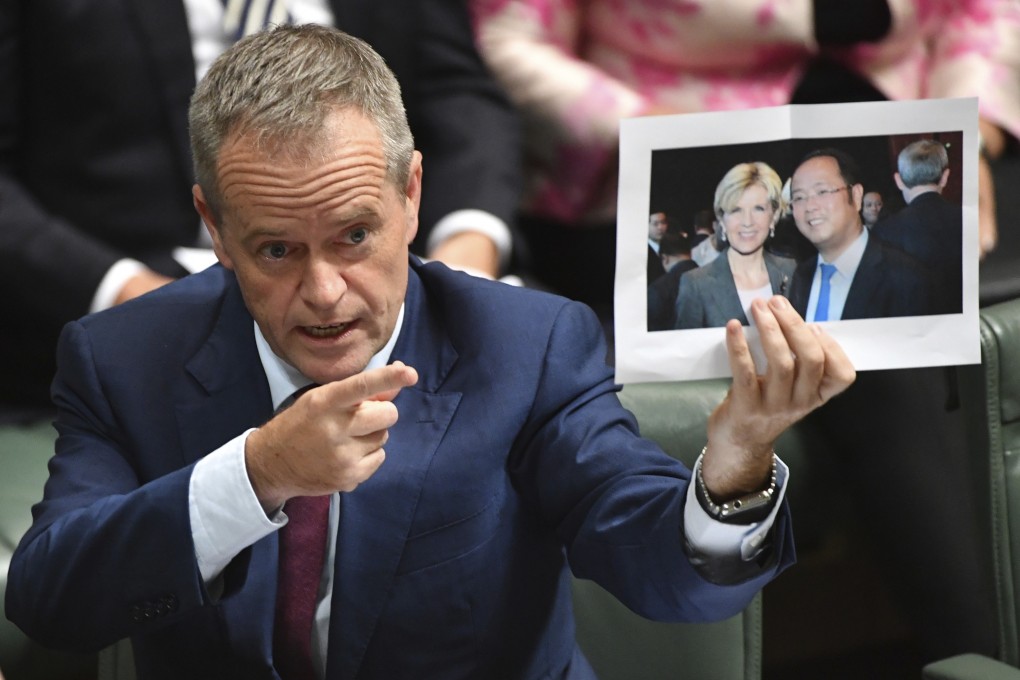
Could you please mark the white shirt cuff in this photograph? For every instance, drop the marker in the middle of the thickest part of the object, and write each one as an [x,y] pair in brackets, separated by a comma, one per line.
[226,516]
[713,538]
[480,221]
[113,282]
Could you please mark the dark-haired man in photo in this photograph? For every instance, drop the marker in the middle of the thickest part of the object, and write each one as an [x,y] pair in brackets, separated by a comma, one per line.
[675,251]
[871,209]
[854,275]
[929,227]
[658,225]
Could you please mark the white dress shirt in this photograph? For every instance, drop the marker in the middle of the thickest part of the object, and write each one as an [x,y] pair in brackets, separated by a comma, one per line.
[839,285]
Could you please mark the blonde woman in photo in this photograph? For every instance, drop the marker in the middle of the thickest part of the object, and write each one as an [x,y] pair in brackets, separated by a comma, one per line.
[748,204]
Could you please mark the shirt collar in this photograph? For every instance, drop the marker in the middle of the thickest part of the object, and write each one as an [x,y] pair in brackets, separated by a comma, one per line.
[285,380]
[848,261]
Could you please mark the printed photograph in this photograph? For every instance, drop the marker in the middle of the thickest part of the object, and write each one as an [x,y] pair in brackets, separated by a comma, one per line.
[862,215]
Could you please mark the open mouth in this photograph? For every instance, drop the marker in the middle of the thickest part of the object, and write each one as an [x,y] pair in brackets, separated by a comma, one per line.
[328,331]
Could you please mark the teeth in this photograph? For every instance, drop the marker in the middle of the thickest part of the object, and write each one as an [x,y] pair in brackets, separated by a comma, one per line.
[326,331]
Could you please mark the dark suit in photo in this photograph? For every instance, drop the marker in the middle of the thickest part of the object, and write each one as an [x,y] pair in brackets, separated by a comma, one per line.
[662,296]
[708,297]
[888,283]
[930,229]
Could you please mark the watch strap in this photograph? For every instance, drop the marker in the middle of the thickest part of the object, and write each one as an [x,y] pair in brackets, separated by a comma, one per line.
[753,507]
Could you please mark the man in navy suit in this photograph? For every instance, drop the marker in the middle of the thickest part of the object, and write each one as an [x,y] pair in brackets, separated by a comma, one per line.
[866,278]
[465,434]
[96,169]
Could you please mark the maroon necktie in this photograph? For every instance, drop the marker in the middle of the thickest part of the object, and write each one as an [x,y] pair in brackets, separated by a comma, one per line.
[302,555]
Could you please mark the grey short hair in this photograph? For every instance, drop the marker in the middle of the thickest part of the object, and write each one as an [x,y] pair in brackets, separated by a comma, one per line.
[280,85]
[922,162]
[739,178]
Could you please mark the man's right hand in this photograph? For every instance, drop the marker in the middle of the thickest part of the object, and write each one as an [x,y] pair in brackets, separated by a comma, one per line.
[329,440]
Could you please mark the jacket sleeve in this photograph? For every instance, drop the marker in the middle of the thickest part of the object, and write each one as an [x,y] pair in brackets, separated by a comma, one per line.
[616,499]
[107,556]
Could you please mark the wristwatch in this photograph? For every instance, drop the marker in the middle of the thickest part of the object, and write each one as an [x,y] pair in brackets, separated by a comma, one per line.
[753,507]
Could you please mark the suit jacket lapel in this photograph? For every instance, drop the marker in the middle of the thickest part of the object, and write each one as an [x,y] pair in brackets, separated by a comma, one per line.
[779,280]
[163,26]
[723,291]
[235,397]
[236,393]
[800,287]
[859,301]
[372,534]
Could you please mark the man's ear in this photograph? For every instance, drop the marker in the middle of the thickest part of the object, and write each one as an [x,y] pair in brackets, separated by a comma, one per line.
[944,179]
[857,194]
[899,181]
[211,225]
[412,196]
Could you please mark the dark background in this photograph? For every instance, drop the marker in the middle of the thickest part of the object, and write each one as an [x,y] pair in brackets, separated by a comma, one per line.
[683,181]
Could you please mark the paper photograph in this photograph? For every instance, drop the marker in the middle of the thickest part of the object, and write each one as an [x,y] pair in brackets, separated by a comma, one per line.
[863,215]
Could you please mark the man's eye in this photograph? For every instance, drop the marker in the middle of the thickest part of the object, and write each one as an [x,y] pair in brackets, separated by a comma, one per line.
[358,235]
[275,251]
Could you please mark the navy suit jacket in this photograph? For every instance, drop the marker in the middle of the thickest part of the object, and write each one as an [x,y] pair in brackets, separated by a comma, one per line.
[708,296]
[888,283]
[95,163]
[931,229]
[511,460]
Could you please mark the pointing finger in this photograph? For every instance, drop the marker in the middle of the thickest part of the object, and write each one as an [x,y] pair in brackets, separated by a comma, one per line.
[379,384]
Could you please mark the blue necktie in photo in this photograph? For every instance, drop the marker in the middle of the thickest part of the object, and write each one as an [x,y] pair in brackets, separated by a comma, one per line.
[244,17]
[822,310]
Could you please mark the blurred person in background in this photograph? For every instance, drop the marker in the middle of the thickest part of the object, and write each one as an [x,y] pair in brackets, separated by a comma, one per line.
[675,250]
[929,227]
[576,68]
[96,173]
[871,208]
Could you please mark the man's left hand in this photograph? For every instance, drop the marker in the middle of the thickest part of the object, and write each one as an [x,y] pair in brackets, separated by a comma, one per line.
[806,367]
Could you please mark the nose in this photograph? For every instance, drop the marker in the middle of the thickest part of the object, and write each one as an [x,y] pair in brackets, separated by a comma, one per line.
[323,284]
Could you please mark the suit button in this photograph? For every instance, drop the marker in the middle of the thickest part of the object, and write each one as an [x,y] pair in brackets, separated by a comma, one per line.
[136,613]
